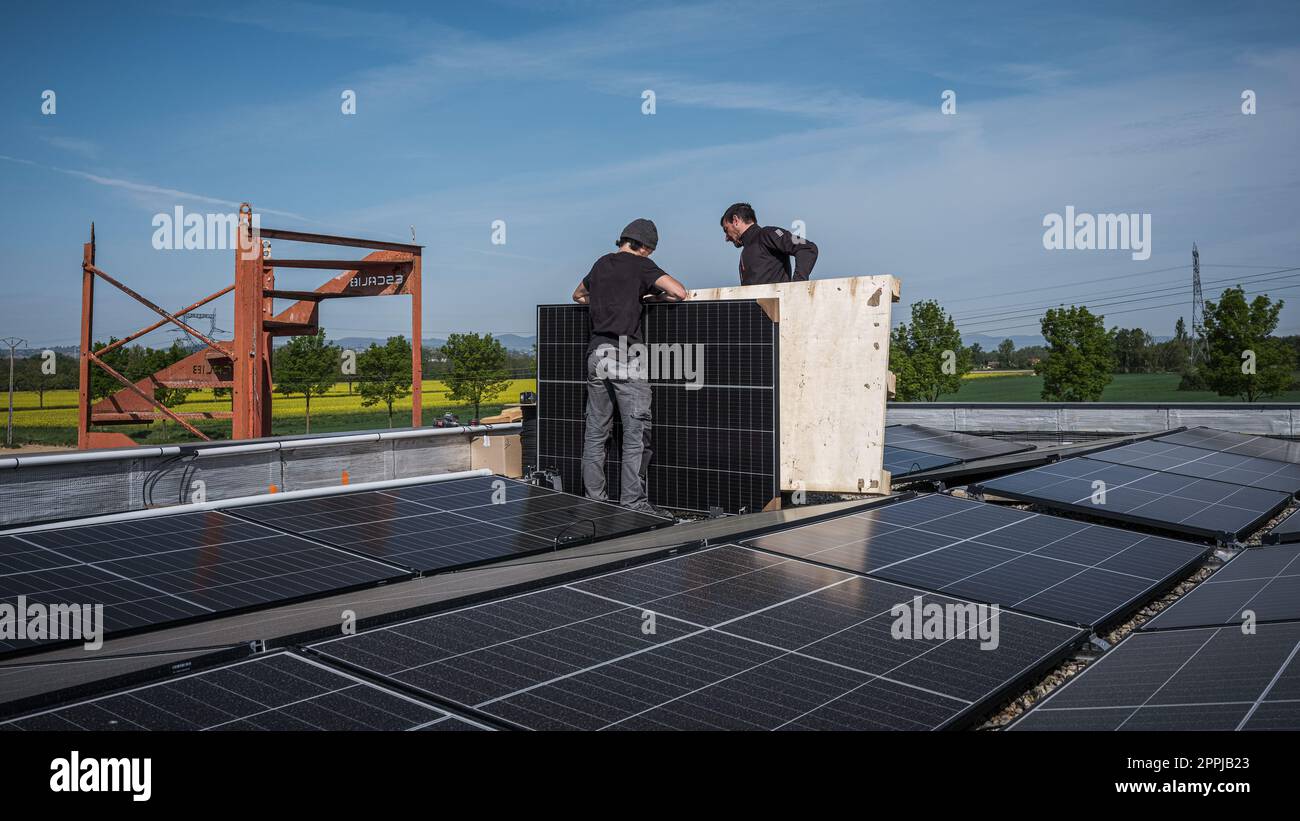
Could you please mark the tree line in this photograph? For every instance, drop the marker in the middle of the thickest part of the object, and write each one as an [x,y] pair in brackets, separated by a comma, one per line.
[1241,357]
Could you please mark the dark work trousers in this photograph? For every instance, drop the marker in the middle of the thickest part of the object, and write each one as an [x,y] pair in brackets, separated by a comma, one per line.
[608,382]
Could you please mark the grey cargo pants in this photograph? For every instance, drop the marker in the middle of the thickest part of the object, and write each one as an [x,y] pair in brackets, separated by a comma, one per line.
[607,383]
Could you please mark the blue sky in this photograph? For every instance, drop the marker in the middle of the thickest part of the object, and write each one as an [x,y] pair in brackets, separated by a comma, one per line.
[530,113]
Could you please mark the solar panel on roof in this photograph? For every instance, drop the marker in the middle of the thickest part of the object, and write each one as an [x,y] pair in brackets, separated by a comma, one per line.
[1184,460]
[723,638]
[457,523]
[715,439]
[962,447]
[1058,568]
[1215,678]
[1285,531]
[1182,504]
[901,461]
[1243,444]
[153,571]
[1264,581]
[279,691]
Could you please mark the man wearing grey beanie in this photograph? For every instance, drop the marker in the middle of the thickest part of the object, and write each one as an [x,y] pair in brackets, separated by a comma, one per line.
[614,289]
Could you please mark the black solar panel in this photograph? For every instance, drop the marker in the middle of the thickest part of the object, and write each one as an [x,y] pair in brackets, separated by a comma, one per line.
[456,523]
[280,691]
[1205,679]
[1184,460]
[901,461]
[1182,504]
[961,447]
[716,444]
[153,571]
[1058,568]
[1285,531]
[1263,581]
[723,638]
[1264,447]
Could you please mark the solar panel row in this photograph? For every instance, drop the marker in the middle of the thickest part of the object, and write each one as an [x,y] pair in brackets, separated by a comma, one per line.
[1222,657]
[1058,568]
[160,570]
[1256,585]
[1177,503]
[1184,460]
[1264,447]
[168,569]
[1214,678]
[279,691]
[723,638]
[961,447]
[452,524]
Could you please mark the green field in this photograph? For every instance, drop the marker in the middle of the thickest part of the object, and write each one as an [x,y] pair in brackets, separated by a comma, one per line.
[1125,387]
[56,423]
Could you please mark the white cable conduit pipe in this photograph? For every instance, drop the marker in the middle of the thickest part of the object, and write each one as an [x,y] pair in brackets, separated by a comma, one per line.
[40,460]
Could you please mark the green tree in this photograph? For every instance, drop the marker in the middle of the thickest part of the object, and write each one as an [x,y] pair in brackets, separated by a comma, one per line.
[1133,348]
[30,375]
[1079,355]
[1006,354]
[307,366]
[154,361]
[927,356]
[385,373]
[1243,359]
[119,359]
[476,368]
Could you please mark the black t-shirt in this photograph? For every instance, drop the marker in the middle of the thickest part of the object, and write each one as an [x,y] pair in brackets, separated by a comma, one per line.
[615,286]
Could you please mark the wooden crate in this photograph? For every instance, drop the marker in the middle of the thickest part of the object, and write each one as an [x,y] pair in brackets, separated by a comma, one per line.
[835,378]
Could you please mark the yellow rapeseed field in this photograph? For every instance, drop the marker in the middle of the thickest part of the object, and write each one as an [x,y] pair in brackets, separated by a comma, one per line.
[61,406]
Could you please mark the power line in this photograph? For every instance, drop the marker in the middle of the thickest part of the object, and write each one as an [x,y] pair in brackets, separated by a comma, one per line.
[1150,307]
[1108,300]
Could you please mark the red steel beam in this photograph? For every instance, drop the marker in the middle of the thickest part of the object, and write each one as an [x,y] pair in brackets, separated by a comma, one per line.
[417,350]
[330,239]
[131,386]
[87,340]
[167,317]
[182,312]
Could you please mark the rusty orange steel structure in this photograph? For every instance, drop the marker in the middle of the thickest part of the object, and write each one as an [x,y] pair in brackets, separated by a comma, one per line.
[244,362]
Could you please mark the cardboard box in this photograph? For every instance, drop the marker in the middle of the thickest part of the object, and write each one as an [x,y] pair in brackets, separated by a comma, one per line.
[499,454]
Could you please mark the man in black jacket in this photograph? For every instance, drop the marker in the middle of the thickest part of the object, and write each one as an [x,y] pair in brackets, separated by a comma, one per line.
[765,252]
[614,290]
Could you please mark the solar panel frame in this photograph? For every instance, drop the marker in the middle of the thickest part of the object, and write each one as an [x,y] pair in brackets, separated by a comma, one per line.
[1263,580]
[1185,460]
[173,569]
[734,628]
[718,445]
[306,695]
[451,524]
[1212,678]
[1251,508]
[1061,569]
